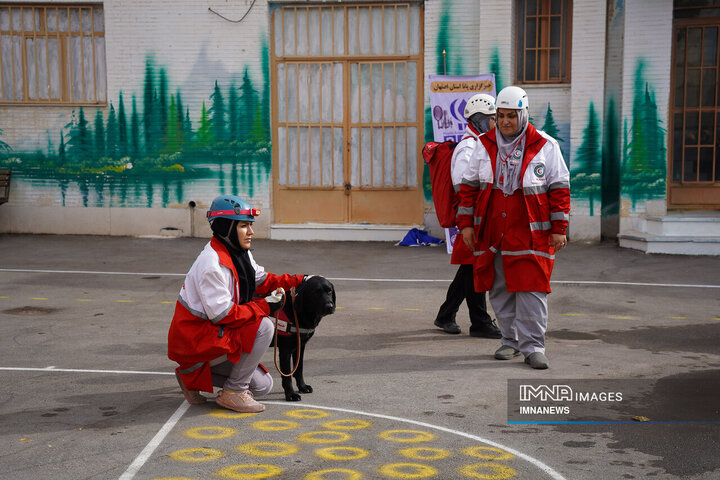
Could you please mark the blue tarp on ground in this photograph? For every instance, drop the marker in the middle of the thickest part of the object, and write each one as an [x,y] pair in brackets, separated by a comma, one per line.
[418,238]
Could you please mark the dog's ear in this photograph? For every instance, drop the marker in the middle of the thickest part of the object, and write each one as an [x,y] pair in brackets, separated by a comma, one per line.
[298,302]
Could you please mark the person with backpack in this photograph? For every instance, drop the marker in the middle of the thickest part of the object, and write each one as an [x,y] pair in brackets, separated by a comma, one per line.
[514,211]
[480,114]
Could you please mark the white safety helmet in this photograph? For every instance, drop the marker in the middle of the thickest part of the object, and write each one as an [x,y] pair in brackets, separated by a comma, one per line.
[482,103]
[514,98]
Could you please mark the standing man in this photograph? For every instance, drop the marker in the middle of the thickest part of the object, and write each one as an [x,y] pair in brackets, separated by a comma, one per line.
[514,212]
[480,114]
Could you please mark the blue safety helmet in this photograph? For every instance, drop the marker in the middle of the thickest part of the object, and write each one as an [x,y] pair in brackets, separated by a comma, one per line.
[232,207]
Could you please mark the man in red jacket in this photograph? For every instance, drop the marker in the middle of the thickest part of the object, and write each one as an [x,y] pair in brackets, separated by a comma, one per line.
[220,329]
[513,213]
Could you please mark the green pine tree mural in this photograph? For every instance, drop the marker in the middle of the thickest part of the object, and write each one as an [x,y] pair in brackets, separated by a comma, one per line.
[204,135]
[143,158]
[113,134]
[550,127]
[233,113]
[134,130]
[442,44]
[645,168]
[248,106]
[173,138]
[265,98]
[496,68]
[99,135]
[217,114]
[585,179]
[123,144]
[148,88]
[79,144]
[611,161]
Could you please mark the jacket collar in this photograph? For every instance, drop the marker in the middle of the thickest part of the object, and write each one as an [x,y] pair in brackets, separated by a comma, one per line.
[533,143]
[223,255]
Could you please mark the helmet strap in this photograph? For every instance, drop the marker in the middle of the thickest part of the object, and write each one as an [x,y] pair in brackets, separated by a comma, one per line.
[228,234]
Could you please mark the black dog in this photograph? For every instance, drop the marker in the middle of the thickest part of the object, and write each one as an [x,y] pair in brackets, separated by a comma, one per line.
[314,299]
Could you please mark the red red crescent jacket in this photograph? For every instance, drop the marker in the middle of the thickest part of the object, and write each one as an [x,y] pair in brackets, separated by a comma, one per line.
[526,225]
[211,320]
[461,255]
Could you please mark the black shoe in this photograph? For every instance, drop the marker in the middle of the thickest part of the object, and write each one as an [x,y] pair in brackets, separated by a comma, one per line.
[449,327]
[488,330]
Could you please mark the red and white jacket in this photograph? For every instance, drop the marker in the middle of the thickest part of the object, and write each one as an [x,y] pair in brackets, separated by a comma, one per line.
[458,164]
[211,320]
[546,194]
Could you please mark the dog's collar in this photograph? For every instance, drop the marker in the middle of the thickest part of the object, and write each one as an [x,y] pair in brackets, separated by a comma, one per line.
[284,327]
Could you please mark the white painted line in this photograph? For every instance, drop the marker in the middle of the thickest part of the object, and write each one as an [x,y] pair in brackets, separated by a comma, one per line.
[140,460]
[350,279]
[80,370]
[90,272]
[633,284]
[545,468]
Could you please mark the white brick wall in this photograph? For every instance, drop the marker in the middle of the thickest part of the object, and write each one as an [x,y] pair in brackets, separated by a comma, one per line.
[196,47]
[588,66]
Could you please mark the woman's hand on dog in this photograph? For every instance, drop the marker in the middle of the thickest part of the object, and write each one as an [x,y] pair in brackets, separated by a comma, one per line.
[276,300]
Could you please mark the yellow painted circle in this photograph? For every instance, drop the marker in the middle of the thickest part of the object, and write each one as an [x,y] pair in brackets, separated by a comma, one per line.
[341,453]
[249,471]
[199,454]
[267,449]
[224,413]
[320,474]
[306,413]
[210,433]
[424,453]
[346,424]
[407,470]
[488,453]
[490,471]
[274,425]
[317,437]
[406,436]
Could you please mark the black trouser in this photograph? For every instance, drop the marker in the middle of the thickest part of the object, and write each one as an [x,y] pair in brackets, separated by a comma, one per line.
[460,289]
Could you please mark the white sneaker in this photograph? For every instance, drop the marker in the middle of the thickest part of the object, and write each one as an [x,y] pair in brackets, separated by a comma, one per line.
[239,401]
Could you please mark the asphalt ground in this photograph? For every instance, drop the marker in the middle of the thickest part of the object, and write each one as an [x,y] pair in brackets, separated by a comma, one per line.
[89,392]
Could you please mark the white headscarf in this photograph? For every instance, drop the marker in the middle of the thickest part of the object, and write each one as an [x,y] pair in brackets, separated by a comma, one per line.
[510,155]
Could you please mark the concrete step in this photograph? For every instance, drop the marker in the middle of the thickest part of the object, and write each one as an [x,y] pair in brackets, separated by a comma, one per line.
[671,244]
[686,225]
[359,232]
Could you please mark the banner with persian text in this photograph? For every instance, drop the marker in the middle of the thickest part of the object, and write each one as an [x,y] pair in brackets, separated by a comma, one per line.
[448,96]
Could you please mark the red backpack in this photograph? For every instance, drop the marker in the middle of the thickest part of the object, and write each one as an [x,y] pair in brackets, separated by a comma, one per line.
[438,156]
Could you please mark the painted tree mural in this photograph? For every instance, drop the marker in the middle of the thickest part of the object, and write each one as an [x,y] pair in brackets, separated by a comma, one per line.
[585,178]
[496,68]
[644,167]
[156,149]
[551,128]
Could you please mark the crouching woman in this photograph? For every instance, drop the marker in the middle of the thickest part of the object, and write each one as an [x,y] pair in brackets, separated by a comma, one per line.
[221,328]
